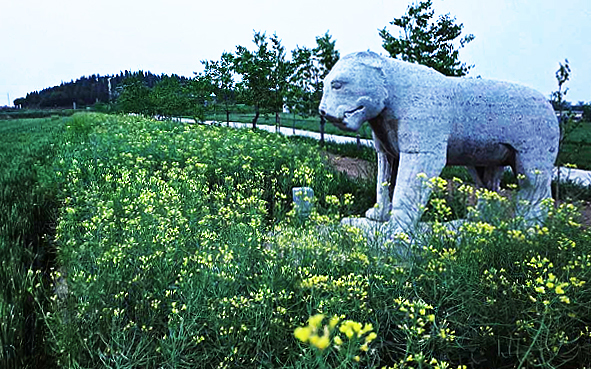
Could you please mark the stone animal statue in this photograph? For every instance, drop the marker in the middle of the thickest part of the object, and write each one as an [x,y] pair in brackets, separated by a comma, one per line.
[422,120]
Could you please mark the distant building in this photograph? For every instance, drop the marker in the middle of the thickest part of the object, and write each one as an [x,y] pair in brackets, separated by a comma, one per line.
[576,115]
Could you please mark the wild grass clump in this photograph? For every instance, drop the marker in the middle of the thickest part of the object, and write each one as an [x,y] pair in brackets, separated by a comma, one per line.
[28,201]
[178,247]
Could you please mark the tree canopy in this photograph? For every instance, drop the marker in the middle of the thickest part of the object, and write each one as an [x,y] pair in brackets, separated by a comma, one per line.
[426,41]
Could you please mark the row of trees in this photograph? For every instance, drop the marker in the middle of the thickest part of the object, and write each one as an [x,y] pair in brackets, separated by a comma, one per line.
[263,78]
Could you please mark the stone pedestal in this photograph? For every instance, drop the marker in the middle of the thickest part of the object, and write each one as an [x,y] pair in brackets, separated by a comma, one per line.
[372,229]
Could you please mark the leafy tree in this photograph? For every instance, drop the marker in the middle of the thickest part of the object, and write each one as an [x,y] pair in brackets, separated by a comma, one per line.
[587,112]
[134,96]
[221,75]
[562,76]
[169,97]
[427,42]
[255,67]
[560,105]
[281,69]
[199,91]
[300,94]
[310,67]
[326,56]
[21,101]
[566,122]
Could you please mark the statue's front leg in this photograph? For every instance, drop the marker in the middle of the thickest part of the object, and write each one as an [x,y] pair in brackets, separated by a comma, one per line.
[381,210]
[412,191]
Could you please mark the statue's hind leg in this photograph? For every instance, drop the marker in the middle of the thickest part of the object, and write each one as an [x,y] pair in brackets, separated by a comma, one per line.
[488,177]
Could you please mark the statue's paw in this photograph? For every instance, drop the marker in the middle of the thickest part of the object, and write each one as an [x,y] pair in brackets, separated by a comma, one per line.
[377,214]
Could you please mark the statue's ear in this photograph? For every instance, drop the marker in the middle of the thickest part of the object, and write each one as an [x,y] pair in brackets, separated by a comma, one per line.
[377,64]
[381,84]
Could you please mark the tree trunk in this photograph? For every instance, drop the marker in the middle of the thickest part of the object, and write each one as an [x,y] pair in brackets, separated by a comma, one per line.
[358,142]
[294,122]
[322,124]
[256,117]
[277,122]
[556,204]
[228,117]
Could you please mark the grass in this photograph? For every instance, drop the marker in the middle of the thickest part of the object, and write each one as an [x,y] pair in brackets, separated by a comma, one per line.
[28,202]
[288,120]
[177,246]
[34,113]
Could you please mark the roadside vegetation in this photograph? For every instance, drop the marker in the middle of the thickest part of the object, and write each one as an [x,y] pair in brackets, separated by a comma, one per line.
[177,246]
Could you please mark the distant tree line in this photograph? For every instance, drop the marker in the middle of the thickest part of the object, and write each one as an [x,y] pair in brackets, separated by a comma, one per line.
[85,91]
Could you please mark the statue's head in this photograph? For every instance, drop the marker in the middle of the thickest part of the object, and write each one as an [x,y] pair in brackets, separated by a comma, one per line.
[354,91]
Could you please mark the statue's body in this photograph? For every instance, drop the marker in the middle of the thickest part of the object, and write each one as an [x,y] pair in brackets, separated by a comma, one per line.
[422,120]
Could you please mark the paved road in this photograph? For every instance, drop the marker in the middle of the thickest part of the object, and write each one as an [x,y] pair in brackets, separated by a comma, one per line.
[582,177]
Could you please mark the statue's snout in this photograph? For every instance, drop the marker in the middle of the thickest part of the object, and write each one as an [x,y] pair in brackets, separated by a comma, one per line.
[327,116]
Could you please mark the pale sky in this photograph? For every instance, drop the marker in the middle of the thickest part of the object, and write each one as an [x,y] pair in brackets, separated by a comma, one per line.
[45,42]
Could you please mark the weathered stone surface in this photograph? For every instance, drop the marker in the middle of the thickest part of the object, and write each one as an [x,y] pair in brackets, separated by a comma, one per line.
[370,228]
[422,120]
[374,230]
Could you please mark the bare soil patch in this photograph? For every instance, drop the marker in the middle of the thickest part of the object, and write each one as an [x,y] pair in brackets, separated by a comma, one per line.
[353,167]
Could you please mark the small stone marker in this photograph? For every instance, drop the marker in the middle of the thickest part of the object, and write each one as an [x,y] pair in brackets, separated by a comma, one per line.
[302,199]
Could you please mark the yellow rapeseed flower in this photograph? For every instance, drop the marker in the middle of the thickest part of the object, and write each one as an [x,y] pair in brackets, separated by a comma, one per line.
[303,333]
[370,337]
[565,299]
[333,322]
[315,320]
[559,290]
[321,342]
[367,328]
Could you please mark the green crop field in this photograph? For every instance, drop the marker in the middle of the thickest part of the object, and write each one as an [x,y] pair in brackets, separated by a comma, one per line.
[577,147]
[133,243]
